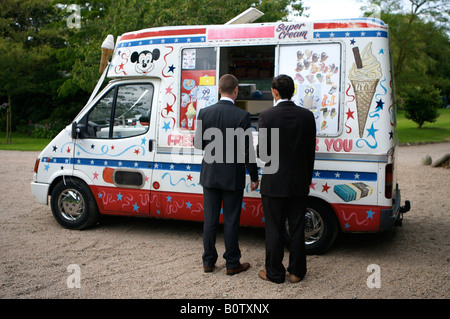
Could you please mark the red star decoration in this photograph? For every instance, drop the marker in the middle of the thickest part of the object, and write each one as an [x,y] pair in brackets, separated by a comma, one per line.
[112,147]
[68,150]
[350,114]
[325,187]
[136,151]
[95,175]
[312,185]
[169,90]
[168,108]
[189,177]
[121,66]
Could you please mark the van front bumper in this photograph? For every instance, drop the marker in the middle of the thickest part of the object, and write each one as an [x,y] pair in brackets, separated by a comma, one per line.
[393,216]
[40,192]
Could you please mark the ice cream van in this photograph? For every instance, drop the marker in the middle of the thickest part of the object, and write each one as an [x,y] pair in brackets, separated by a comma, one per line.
[130,149]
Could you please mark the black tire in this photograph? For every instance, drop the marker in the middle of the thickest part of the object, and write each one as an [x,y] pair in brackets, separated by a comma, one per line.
[321,227]
[73,204]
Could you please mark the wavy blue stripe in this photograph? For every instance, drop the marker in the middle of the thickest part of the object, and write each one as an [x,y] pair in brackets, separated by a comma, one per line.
[179,181]
[105,149]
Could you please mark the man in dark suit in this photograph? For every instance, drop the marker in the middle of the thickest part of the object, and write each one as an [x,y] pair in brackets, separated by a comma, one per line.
[284,192]
[229,151]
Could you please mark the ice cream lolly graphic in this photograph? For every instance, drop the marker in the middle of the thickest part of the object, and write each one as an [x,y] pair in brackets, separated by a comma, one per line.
[107,50]
[364,75]
[352,191]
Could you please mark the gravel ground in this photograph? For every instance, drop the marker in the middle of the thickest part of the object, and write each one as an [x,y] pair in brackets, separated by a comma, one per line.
[160,259]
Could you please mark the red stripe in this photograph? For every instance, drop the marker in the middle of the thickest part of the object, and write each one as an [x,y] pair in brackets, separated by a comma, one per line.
[163,33]
[345,25]
[241,33]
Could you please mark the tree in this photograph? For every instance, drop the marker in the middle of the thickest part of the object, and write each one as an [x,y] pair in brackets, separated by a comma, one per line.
[422,103]
[28,74]
[420,44]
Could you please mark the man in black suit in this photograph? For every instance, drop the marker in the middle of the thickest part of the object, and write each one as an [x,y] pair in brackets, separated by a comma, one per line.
[284,192]
[224,133]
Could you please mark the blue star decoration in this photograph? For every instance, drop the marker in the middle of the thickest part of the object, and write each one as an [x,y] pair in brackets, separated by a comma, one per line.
[166,126]
[172,68]
[352,41]
[371,131]
[136,207]
[380,104]
[370,214]
[54,148]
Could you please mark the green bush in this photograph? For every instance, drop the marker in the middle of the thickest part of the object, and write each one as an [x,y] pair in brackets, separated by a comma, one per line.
[43,129]
[422,103]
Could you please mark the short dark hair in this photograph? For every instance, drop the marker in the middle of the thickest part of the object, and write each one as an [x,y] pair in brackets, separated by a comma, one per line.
[284,85]
[228,83]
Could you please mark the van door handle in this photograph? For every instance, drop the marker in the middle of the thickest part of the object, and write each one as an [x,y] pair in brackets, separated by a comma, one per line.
[150,145]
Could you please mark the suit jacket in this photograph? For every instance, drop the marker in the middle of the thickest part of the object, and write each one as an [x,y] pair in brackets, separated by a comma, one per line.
[222,173]
[297,142]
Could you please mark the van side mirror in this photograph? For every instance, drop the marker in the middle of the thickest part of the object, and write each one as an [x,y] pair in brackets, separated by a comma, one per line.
[78,130]
[75,130]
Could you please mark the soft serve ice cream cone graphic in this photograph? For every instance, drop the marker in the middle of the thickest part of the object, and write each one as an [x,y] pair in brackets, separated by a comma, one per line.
[190,114]
[107,49]
[364,75]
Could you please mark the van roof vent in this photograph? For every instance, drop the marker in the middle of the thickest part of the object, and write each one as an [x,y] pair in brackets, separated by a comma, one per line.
[248,16]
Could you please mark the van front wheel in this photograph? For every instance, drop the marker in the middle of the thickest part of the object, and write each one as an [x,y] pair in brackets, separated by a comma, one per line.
[73,204]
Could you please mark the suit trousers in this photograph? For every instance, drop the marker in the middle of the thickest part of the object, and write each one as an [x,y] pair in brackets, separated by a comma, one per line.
[276,211]
[232,204]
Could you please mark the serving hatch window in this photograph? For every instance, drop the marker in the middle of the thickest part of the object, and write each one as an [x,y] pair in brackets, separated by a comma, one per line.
[316,70]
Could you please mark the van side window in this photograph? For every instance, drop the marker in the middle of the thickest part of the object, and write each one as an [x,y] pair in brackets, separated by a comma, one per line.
[122,112]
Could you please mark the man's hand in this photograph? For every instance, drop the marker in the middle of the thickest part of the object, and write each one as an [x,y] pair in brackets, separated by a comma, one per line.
[254,185]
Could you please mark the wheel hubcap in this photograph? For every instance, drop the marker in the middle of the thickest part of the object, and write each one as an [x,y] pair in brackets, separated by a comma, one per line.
[313,226]
[71,204]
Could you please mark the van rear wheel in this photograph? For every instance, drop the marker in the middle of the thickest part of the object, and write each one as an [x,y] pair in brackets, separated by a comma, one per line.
[321,227]
[73,204]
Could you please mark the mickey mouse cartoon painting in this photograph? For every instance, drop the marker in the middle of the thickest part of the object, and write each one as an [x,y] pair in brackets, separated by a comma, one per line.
[144,60]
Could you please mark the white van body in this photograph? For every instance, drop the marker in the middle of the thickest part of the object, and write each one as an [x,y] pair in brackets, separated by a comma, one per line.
[130,150]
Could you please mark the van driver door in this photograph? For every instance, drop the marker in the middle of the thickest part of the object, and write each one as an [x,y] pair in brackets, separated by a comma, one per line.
[116,147]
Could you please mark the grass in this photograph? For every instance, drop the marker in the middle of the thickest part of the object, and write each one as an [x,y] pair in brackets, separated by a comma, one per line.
[22,142]
[407,131]
[438,131]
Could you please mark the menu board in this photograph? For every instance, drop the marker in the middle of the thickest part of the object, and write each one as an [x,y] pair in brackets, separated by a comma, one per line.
[316,71]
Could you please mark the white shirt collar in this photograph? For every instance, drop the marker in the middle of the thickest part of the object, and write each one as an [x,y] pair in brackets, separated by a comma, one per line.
[227,99]
[281,100]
